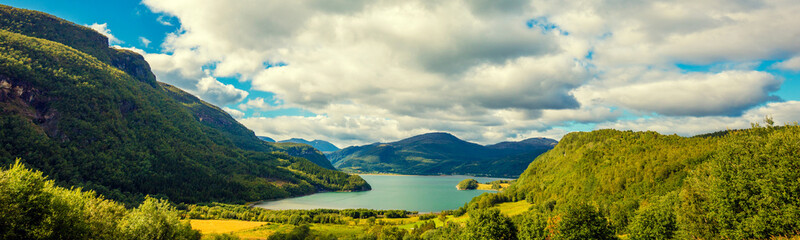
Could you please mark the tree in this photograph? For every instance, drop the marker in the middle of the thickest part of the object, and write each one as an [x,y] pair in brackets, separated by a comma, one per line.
[467,184]
[581,221]
[489,224]
[653,223]
[532,225]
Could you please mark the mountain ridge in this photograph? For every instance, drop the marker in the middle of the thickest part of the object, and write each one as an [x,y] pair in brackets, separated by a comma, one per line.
[321,145]
[439,153]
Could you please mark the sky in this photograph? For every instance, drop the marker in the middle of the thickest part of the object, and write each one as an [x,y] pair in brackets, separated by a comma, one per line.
[355,72]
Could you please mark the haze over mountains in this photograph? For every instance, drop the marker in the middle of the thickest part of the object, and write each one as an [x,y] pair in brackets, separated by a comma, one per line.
[441,153]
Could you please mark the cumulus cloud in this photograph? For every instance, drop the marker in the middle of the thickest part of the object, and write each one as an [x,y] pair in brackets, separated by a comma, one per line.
[103,29]
[695,94]
[486,70]
[664,32]
[259,104]
[187,74]
[233,112]
[781,112]
[792,64]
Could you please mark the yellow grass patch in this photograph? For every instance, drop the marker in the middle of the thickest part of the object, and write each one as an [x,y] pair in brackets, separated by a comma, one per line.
[514,208]
[222,226]
[483,186]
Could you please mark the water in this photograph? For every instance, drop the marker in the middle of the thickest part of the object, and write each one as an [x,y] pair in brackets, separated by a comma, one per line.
[413,193]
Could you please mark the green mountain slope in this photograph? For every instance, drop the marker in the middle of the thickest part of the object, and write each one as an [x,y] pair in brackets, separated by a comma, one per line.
[239,135]
[321,145]
[441,153]
[84,122]
[734,185]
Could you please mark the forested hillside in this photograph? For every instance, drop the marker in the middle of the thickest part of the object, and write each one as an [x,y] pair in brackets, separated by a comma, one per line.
[441,153]
[730,185]
[238,135]
[92,116]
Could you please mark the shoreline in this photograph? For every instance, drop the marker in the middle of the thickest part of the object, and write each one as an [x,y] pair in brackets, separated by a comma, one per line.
[422,175]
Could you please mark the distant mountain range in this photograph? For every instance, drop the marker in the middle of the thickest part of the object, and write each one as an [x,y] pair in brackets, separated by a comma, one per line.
[321,145]
[441,153]
[267,139]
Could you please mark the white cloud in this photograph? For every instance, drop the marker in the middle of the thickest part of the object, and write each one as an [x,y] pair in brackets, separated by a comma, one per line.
[792,64]
[212,90]
[384,70]
[259,104]
[695,94]
[146,42]
[187,74]
[103,29]
[164,20]
[665,32]
[233,112]
[132,49]
[782,113]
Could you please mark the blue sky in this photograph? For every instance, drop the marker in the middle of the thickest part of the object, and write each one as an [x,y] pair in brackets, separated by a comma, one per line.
[357,72]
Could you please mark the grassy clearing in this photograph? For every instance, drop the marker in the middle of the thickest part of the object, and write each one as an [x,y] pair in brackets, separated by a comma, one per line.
[222,226]
[262,232]
[514,208]
[483,186]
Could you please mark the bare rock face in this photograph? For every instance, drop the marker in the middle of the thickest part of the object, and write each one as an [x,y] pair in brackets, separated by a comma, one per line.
[21,97]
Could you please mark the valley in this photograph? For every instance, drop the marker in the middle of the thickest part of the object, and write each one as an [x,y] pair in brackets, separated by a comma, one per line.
[93,145]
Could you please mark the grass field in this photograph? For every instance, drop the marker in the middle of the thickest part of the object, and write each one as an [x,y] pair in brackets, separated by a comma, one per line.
[262,230]
[222,226]
[483,186]
[514,208]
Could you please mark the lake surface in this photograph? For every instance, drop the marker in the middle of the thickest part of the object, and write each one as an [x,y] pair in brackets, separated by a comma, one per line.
[413,193]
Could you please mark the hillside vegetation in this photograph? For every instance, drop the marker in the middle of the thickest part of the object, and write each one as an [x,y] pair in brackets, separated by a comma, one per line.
[235,133]
[441,153]
[87,123]
[738,185]
[34,208]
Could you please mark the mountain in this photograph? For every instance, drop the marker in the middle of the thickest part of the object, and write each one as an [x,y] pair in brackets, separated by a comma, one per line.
[724,185]
[266,139]
[441,153]
[321,145]
[94,117]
